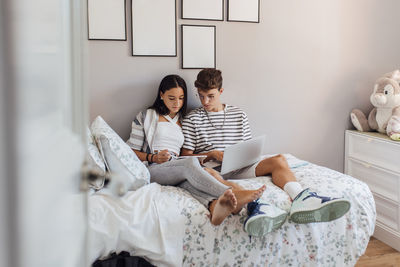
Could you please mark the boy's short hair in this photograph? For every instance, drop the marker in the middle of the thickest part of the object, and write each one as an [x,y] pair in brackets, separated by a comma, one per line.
[208,79]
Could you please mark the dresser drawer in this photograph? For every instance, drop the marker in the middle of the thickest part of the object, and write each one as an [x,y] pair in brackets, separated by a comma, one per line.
[373,150]
[379,180]
[387,212]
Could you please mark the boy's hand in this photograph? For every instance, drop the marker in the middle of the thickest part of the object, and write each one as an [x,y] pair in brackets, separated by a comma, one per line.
[214,155]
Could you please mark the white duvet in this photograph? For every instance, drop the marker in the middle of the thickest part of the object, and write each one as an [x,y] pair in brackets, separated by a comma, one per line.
[144,222]
[168,227]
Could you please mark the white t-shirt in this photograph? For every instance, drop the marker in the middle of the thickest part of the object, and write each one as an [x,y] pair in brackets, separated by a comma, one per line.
[168,136]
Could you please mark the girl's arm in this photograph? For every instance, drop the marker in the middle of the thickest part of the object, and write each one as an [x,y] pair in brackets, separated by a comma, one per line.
[161,157]
[142,155]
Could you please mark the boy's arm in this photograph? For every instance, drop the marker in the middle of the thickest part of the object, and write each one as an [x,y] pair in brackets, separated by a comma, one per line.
[189,145]
[189,133]
[246,127]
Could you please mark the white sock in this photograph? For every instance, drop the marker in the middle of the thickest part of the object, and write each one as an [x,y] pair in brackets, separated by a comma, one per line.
[293,189]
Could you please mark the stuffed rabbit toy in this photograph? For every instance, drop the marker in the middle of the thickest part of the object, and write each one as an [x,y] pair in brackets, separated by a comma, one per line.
[385,116]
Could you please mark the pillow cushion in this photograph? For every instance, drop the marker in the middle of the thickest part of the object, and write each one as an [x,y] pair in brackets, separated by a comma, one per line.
[95,161]
[119,157]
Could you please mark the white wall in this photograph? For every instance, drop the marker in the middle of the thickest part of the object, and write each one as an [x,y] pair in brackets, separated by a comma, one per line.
[297,74]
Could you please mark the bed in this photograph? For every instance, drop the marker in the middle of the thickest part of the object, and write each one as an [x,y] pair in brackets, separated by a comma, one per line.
[168,227]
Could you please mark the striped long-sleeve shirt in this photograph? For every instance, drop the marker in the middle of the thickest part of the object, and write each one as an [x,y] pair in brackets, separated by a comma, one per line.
[143,130]
[205,131]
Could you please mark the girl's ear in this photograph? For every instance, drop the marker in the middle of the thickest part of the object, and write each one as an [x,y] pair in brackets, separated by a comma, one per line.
[161,95]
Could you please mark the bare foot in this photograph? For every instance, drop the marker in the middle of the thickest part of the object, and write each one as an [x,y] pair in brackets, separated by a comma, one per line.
[245,196]
[224,206]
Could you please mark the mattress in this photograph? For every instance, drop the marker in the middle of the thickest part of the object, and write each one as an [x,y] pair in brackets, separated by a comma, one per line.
[168,227]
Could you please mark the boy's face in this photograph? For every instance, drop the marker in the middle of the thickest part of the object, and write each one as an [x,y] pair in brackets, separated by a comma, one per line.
[210,99]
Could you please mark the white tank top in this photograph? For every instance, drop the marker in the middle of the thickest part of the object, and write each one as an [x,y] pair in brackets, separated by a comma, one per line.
[168,136]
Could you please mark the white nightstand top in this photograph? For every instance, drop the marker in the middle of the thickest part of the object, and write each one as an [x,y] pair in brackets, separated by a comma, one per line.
[375,134]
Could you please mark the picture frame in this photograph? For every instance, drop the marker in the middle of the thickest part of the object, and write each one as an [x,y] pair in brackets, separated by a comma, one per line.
[106,20]
[202,10]
[198,46]
[243,11]
[154,28]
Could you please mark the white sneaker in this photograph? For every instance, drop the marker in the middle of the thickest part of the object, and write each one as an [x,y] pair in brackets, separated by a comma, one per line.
[263,218]
[308,207]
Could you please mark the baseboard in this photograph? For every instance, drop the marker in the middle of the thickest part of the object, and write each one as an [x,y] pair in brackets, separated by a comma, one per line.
[387,235]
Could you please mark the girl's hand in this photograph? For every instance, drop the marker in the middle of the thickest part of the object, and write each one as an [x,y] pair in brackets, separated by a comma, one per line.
[162,156]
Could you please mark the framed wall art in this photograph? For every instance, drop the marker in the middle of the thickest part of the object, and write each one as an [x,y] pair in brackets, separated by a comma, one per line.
[198,46]
[106,20]
[243,10]
[202,9]
[154,28]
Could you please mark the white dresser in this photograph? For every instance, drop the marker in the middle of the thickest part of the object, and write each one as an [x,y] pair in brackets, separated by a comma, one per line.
[375,159]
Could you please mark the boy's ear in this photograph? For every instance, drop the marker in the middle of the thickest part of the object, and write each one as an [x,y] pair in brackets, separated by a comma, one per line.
[221,90]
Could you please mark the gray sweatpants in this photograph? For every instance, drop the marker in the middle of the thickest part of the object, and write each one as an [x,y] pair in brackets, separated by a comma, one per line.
[189,175]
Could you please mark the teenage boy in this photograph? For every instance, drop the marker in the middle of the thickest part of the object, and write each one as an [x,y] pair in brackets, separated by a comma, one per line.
[208,130]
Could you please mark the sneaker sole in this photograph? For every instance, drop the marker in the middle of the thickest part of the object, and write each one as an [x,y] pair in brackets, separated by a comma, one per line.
[326,213]
[261,225]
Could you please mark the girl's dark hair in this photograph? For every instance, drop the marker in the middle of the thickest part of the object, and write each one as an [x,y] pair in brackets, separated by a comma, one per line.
[167,83]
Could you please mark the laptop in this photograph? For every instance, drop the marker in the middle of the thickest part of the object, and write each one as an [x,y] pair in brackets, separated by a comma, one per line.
[240,155]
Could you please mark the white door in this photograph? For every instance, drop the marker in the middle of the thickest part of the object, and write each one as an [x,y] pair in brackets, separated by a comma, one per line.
[43,117]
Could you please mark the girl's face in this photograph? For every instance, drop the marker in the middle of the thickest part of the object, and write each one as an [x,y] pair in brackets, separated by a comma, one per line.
[173,99]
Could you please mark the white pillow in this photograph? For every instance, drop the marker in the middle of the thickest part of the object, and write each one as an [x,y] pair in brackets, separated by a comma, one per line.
[119,157]
[95,161]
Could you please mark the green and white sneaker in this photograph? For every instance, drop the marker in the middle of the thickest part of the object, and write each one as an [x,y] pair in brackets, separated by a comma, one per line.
[308,207]
[263,218]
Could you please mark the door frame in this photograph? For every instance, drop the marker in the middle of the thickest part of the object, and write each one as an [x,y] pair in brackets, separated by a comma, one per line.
[8,170]
[80,93]
[9,176]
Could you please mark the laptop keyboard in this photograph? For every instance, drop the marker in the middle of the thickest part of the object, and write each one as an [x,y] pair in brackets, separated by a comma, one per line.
[218,168]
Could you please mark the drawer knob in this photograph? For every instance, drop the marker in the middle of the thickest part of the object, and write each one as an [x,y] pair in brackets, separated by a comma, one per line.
[369,140]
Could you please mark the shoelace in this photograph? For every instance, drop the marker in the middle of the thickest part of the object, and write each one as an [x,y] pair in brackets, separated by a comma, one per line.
[253,208]
[323,199]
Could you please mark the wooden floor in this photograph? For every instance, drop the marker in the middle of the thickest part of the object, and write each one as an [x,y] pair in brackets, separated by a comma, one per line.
[379,254]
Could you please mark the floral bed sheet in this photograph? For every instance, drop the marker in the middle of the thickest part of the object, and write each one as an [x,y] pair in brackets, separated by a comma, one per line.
[337,243]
